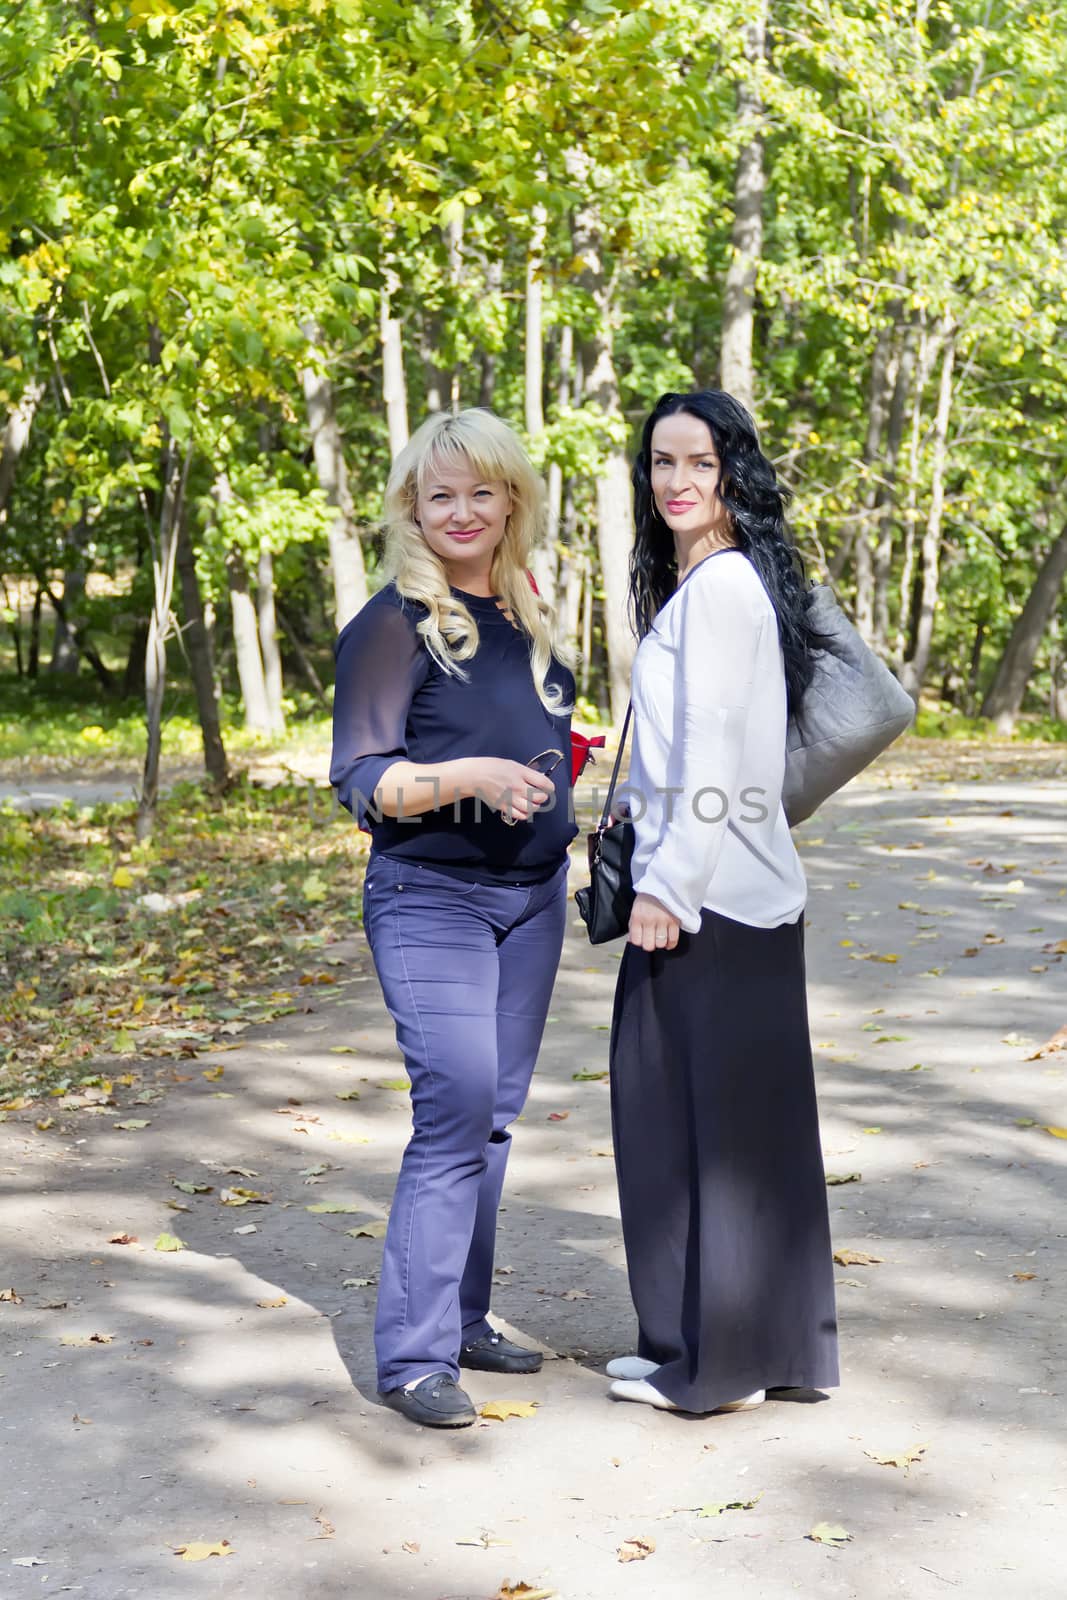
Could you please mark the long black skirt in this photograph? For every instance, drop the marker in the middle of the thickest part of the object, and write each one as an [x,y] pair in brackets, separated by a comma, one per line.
[720,1171]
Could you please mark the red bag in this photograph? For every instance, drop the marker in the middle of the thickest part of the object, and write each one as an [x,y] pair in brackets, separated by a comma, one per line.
[582,752]
[582,747]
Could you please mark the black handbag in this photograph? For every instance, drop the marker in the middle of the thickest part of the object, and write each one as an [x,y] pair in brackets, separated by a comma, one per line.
[606,905]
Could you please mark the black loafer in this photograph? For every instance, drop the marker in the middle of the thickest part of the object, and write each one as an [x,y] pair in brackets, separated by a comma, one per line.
[493,1353]
[435,1402]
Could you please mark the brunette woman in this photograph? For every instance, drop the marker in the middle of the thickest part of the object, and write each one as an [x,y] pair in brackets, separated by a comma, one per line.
[451,722]
[716,1128]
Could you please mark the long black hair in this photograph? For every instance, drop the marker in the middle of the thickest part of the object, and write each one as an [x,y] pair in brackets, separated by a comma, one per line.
[756,501]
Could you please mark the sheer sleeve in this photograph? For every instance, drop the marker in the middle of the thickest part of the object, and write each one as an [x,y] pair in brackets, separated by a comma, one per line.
[380,665]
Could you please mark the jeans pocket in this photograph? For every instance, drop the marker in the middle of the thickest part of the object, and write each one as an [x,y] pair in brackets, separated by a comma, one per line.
[416,877]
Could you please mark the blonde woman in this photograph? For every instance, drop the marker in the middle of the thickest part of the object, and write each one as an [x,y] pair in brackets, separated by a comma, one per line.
[451,724]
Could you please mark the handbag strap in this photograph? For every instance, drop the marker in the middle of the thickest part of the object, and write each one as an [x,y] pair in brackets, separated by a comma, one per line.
[605,814]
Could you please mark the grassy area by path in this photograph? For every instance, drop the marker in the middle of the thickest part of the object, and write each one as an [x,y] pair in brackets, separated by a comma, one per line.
[69,727]
[111,951]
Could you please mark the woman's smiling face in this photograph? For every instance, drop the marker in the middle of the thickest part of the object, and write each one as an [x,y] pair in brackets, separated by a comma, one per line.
[463,519]
[685,473]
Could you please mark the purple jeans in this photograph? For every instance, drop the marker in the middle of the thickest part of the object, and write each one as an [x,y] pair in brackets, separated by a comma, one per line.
[467,973]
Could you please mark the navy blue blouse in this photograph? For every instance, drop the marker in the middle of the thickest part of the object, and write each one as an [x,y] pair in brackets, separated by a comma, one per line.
[393,702]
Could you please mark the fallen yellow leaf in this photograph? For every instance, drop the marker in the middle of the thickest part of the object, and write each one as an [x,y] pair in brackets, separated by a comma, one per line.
[855,1258]
[636,1549]
[1057,1133]
[1051,1046]
[368,1230]
[729,1505]
[169,1241]
[830,1533]
[122,878]
[200,1552]
[242,1197]
[272,1305]
[904,1458]
[501,1410]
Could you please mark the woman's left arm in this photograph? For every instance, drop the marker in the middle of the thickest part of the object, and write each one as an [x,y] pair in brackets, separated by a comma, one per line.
[719,634]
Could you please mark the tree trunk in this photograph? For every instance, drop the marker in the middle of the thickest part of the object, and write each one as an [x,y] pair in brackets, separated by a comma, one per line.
[565,359]
[1005,696]
[246,643]
[569,597]
[883,377]
[454,251]
[303,660]
[911,511]
[197,642]
[435,380]
[14,623]
[534,366]
[346,551]
[34,659]
[487,359]
[394,390]
[586,667]
[544,557]
[66,657]
[886,498]
[268,642]
[15,439]
[914,670]
[974,669]
[133,685]
[81,639]
[614,507]
[164,553]
[746,240]
[1058,692]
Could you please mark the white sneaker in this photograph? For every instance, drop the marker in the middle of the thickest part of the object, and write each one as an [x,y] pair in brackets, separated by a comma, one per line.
[631,1367]
[749,1403]
[643,1393]
[647,1395]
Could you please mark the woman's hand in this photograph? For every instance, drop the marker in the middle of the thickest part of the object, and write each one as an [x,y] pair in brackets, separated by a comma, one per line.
[517,792]
[652,926]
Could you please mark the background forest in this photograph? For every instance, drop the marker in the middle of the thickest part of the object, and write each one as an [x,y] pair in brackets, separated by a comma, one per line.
[249,245]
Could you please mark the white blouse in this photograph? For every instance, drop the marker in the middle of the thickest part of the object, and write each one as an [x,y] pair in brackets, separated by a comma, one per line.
[708,758]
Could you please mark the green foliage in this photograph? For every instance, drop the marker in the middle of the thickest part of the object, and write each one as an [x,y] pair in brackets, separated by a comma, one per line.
[199,202]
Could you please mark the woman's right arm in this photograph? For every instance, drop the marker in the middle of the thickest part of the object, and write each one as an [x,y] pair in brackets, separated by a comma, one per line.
[408,788]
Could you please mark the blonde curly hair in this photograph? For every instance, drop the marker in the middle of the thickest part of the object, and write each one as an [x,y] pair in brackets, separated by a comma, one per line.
[475,441]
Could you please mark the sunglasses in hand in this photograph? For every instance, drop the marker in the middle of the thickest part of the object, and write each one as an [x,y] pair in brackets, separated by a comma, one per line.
[544,763]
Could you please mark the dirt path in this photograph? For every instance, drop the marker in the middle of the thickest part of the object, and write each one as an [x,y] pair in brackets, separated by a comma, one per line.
[216,1413]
